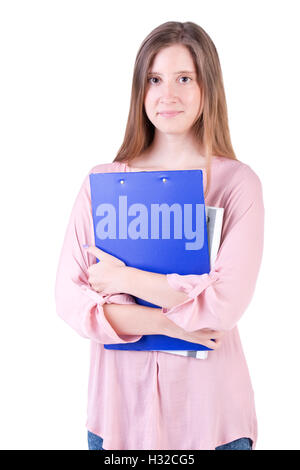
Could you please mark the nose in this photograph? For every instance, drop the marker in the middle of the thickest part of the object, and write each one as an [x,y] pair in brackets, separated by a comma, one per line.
[168,93]
[168,90]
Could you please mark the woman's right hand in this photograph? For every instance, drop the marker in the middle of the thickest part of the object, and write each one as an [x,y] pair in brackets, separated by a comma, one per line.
[205,337]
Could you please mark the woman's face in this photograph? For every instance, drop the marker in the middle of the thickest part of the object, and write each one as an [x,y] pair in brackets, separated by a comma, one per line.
[172,86]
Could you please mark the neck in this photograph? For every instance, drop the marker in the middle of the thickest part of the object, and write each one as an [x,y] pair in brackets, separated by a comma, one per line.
[174,151]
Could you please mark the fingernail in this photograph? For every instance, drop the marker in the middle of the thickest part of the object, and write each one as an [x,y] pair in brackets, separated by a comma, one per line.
[85,246]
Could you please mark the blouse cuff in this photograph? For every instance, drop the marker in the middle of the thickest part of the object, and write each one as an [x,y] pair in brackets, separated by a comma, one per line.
[97,326]
[190,284]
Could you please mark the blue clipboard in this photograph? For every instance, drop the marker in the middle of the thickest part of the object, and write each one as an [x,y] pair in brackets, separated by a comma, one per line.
[154,221]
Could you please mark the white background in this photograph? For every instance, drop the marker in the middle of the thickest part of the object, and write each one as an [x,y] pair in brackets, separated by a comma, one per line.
[66,71]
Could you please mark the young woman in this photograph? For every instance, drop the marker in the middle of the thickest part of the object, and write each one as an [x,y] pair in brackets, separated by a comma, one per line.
[150,399]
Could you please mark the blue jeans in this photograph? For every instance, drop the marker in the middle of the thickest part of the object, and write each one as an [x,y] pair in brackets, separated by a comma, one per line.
[95,442]
[244,443]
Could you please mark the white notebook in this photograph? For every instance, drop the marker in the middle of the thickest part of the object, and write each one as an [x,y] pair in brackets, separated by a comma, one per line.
[214,222]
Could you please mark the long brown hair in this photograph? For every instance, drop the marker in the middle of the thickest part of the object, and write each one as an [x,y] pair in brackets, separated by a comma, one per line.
[211,128]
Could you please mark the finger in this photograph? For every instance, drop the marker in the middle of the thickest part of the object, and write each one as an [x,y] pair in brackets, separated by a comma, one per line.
[94,250]
[215,344]
[217,334]
[208,330]
[213,333]
[102,255]
[210,334]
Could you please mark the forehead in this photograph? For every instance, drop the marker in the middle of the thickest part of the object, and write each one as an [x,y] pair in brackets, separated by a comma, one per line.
[173,59]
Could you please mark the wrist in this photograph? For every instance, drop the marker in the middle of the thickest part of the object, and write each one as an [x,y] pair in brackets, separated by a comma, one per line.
[170,328]
[125,279]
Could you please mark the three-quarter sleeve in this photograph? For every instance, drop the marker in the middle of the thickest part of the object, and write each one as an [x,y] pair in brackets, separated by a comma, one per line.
[76,302]
[218,299]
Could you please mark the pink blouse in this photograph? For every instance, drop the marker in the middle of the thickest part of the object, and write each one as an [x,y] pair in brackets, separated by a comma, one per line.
[155,400]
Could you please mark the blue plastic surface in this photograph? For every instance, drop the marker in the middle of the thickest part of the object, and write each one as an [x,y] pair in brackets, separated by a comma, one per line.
[141,193]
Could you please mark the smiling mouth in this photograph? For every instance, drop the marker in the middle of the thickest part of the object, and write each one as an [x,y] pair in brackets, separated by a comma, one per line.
[169,114]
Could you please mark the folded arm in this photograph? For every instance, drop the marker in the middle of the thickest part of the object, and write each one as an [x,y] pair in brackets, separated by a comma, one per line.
[217,299]
[77,303]
[149,286]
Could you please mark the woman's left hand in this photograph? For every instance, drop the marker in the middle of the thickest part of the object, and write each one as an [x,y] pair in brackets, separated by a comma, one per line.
[105,276]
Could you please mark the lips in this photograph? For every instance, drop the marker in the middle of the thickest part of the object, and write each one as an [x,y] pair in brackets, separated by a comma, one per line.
[169,113]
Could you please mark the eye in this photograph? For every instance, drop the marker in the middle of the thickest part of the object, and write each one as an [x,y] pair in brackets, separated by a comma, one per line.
[187,78]
[156,78]
[151,78]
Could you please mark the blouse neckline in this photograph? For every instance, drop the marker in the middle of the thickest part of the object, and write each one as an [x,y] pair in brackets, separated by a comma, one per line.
[165,169]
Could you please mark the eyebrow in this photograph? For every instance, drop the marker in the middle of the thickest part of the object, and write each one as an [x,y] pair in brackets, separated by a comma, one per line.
[175,73]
